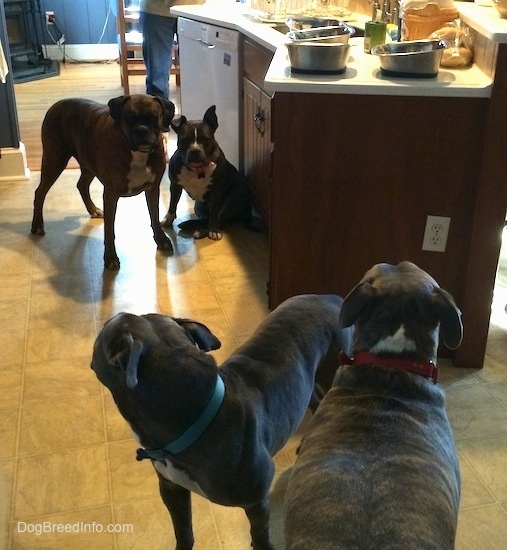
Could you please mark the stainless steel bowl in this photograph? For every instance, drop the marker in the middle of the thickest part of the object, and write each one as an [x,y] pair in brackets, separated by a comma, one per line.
[318,57]
[412,58]
[340,33]
[302,23]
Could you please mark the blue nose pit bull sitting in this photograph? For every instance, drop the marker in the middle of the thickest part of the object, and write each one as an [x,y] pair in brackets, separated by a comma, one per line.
[214,430]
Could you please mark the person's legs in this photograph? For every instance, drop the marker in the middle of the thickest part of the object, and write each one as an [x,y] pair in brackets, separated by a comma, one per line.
[158,37]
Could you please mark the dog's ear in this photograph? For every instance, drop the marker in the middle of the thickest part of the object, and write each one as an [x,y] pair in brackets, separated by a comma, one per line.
[177,123]
[126,354]
[116,106]
[210,118]
[200,334]
[451,326]
[168,110]
[354,303]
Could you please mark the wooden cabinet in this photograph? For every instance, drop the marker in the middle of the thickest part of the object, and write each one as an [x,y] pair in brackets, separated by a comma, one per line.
[257,146]
[355,177]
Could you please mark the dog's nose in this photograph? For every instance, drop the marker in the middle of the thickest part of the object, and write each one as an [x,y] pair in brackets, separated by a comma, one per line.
[194,155]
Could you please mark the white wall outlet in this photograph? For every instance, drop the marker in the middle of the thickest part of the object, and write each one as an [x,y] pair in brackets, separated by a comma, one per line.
[435,233]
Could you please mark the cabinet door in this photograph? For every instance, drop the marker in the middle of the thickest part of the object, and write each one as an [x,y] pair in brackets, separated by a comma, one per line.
[257,146]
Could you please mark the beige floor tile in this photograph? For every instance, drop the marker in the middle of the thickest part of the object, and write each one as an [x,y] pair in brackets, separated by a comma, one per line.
[487,458]
[15,287]
[8,432]
[74,287]
[244,317]
[10,384]
[13,313]
[60,379]
[61,482]
[12,344]
[48,342]
[484,528]
[130,479]
[57,310]
[233,527]
[117,428]
[17,261]
[7,477]
[55,425]
[474,412]
[191,296]
[151,525]
[87,528]
[473,491]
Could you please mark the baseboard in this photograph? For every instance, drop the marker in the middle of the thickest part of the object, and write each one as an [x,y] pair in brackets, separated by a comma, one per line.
[82,52]
[13,164]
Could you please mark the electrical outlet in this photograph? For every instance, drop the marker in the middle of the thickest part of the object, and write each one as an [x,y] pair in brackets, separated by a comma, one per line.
[435,233]
[50,17]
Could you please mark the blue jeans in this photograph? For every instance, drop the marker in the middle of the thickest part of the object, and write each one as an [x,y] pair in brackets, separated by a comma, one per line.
[158,39]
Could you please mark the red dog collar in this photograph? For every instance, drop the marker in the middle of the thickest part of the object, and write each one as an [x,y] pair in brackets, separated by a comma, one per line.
[428,369]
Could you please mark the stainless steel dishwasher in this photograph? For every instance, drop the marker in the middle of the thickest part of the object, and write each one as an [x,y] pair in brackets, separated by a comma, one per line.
[209,63]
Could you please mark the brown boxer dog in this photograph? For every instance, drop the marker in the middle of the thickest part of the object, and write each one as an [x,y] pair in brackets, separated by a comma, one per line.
[121,144]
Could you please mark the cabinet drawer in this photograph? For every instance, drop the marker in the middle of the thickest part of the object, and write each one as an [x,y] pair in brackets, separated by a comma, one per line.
[256,60]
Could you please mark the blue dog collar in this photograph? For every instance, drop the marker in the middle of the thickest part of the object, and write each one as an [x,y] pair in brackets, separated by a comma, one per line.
[194,432]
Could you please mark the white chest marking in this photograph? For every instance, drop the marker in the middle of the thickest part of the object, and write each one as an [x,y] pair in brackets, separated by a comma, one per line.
[174,474]
[194,185]
[140,175]
[397,343]
[177,476]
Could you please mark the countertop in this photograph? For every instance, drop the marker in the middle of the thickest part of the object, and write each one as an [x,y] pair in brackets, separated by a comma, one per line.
[485,20]
[362,75]
[233,17]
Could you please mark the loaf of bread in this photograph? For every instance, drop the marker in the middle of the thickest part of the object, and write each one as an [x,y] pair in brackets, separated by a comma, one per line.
[458,53]
[456,58]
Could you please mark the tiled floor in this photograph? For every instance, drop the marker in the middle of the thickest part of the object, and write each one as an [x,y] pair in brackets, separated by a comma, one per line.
[66,454]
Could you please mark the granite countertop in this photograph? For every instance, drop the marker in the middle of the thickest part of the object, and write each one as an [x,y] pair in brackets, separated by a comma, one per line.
[362,75]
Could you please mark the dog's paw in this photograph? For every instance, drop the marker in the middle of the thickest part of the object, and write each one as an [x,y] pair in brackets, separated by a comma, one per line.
[168,220]
[164,244]
[112,264]
[200,233]
[96,213]
[38,230]
[215,235]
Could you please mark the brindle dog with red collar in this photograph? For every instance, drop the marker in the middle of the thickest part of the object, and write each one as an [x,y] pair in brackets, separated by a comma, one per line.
[121,144]
[378,467]
[199,166]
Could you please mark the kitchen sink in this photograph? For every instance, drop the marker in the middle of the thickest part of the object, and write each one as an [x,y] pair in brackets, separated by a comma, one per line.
[282,27]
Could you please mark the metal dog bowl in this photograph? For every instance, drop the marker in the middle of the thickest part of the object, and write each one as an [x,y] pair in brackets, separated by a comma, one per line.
[340,33]
[302,23]
[412,58]
[318,57]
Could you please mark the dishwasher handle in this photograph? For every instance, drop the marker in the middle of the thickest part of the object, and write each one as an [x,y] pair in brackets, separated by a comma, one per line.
[207,44]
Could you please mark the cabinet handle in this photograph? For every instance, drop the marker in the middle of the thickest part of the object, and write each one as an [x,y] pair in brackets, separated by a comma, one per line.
[259,121]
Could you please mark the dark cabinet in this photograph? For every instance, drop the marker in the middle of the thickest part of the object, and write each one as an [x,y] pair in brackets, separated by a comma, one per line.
[257,146]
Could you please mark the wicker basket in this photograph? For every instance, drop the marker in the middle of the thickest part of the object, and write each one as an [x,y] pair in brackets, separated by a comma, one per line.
[418,23]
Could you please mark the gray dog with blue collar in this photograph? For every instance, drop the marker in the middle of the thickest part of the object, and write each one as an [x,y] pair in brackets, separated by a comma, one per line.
[214,430]
[378,467]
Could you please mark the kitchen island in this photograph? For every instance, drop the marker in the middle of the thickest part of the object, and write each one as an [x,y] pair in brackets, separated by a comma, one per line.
[360,161]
